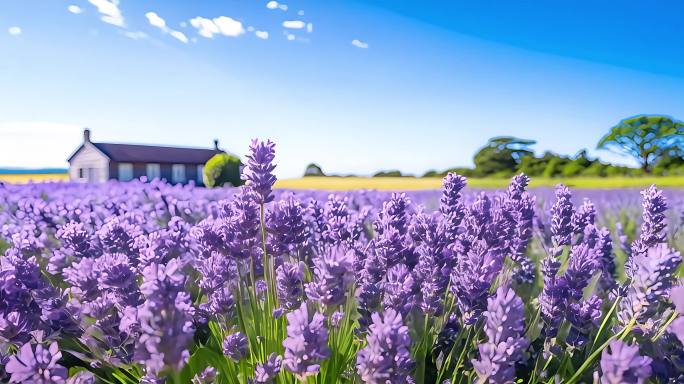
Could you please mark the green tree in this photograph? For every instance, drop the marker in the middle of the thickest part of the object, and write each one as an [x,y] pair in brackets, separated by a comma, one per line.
[222,169]
[502,155]
[313,170]
[647,138]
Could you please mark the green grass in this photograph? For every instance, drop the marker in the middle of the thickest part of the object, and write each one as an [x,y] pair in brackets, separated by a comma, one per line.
[412,183]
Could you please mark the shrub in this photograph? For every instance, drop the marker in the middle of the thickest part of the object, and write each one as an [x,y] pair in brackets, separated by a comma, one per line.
[222,169]
[313,170]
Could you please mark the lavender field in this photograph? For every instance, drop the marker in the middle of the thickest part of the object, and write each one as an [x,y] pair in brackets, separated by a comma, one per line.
[154,283]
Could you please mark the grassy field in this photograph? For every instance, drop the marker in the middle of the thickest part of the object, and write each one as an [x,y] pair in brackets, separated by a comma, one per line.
[410,183]
[35,177]
[413,184]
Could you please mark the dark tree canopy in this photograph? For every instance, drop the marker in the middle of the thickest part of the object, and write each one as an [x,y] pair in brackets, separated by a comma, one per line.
[222,169]
[502,154]
[313,169]
[647,138]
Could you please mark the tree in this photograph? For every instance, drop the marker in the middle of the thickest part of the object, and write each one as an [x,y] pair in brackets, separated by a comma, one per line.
[502,155]
[647,138]
[222,169]
[313,170]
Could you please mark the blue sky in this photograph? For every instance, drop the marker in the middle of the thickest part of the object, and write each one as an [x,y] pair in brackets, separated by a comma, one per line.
[355,86]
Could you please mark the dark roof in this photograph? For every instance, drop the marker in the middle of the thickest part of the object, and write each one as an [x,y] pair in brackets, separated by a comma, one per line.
[135,153]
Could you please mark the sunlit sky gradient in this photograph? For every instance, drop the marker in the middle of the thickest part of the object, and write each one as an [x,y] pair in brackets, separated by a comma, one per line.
[361,86]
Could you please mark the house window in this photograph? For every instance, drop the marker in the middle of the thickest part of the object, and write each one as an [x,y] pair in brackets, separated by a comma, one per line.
[125,171]
[153,171]
[80,173]
[200,174]
[178,173]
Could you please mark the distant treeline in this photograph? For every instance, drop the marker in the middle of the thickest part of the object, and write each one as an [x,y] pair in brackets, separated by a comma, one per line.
[656,142]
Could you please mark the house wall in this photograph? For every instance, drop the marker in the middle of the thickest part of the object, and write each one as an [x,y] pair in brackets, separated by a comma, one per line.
[94,163]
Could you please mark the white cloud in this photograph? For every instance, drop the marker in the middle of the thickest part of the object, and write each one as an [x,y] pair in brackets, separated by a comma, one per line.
[359,44]
[75,9]
[309,28]
[276,5]
[109,9]
[205,27]
[156,21]
[223,25]
[229,26]
[300,13]
[14,31]
[290,37]
[180,36]
[261,34]
[137,35]
[34,144]
[294,24]
[183,24]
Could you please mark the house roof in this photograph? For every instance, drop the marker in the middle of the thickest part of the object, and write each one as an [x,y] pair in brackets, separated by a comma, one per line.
[135,153]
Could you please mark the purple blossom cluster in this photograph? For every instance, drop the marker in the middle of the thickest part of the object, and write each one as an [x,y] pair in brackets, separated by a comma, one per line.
[151,282]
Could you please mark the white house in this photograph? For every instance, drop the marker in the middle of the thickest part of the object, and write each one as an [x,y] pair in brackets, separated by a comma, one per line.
[98,162]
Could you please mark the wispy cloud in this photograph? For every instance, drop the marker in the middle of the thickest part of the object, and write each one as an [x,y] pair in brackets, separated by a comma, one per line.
[359,44]
[261,34]
[75,9]
[137,35]
[276,5]
[109,11]
[294,24]
[222,25]
[14,31]
[156,21]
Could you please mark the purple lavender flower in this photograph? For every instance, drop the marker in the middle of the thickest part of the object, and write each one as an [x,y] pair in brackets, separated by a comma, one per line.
[333,275]
[208,376]
[336,319]
[267,371]
[76,238]
[450,204]
[520,205]
[583,317]
[585,215]
[165,319]
[622,364]
[236,346]
[472,278]
[562,212]
[400,289]
[582,265]
[290,284]
[37,365]
[286,226]
[648,294]
[258,172]
[306,344]
[386,358]
[505,344]
[118,236]
[654,225]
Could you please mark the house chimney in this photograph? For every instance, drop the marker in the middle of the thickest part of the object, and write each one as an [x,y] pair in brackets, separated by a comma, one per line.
[216,148]
[86,135]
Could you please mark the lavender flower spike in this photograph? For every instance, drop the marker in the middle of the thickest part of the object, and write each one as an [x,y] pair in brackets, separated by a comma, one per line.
[36,366]
[235,346]
[267,371]
[387,356]
[306,344]
[622,364]
[562,212]
[258,173]
[505,344]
